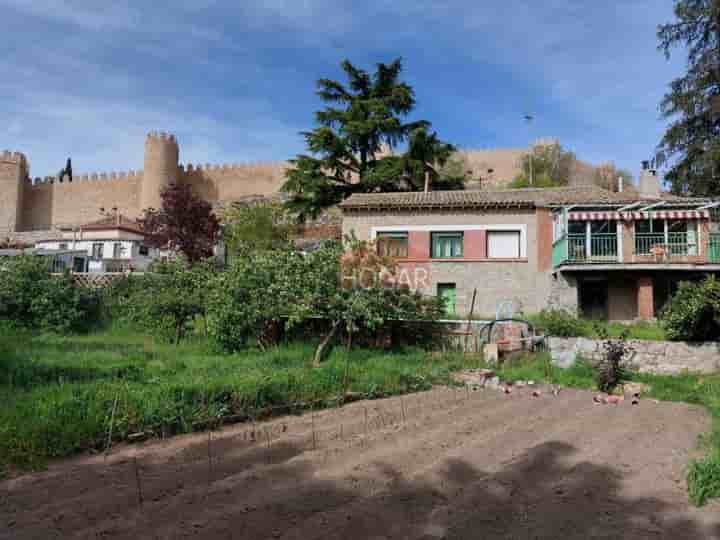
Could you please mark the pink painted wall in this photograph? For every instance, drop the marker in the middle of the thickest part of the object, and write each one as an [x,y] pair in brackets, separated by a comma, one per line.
[475,245]
[418,245]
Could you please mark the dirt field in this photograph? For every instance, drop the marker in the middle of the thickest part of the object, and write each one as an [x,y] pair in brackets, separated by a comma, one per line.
[441,464]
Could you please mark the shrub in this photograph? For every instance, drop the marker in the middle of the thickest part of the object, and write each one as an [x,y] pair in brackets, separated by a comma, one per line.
[693,313]
[609,373]
[560,323]
[32,297]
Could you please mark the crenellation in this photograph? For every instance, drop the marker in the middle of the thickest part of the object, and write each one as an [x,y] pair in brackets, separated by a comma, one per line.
[46,201]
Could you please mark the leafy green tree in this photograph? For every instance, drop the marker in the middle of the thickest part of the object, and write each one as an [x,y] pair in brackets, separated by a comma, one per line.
[267,289]
[260,225]
[353,148]
[165,303]
[691,143]
[551,166]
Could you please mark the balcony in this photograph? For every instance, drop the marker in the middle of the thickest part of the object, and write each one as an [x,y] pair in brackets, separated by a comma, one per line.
[644,248]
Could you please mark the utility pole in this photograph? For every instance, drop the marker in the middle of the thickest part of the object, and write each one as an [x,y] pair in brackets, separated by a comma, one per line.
[529,118]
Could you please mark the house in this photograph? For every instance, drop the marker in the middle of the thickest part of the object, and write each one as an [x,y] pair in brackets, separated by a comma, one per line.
[611,255]
[113,244]
[59,260]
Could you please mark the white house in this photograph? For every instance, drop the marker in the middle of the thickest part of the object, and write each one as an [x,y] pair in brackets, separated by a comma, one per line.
[114,244]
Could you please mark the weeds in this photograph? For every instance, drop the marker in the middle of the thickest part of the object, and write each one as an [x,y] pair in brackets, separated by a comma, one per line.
[62,395]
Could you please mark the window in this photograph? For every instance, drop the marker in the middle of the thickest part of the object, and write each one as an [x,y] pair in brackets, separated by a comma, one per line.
[58,265]
[448,293]
[447,245]
[97,250]
[503,244]
[78,264]
[117,250]
[62,245]
[392,244]
[144,250]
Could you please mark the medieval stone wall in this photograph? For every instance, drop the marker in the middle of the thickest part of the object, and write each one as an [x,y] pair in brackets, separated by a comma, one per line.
[48,205]
[27,205]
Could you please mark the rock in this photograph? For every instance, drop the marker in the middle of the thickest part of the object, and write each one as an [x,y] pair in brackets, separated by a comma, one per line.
[635,388]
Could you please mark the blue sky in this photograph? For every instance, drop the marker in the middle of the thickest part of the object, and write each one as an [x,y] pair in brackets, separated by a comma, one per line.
[235,80]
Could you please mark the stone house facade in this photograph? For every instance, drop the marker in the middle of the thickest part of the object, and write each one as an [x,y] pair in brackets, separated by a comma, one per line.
[610,255]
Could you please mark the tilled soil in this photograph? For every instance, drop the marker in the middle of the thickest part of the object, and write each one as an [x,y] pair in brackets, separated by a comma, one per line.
[441,464]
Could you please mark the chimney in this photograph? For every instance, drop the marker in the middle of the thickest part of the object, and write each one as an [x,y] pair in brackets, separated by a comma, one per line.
[649,184]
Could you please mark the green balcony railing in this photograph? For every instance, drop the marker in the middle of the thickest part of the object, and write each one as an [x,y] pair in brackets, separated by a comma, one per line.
[603,248]
[677,244]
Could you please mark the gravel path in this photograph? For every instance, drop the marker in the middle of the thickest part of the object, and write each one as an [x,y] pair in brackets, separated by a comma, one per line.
[442,464]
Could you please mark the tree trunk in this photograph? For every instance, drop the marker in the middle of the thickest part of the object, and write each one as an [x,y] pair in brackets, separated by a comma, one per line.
[322,346]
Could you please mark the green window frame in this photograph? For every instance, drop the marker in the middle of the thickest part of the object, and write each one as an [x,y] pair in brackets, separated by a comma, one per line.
[392,244]
[446,245]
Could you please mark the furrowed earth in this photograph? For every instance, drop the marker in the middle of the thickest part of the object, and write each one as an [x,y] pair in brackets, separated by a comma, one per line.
[448,463]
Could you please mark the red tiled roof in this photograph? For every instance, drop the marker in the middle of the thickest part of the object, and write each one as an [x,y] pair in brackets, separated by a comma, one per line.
[504,198]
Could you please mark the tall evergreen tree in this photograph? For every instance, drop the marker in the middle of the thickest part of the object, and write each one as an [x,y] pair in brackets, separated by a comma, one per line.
[353,149]
[692,141]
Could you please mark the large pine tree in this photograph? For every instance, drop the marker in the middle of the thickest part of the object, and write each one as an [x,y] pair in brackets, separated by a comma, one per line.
[349,151]
[692,142]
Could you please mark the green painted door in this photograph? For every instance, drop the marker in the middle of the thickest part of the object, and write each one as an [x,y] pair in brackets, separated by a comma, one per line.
[447,292]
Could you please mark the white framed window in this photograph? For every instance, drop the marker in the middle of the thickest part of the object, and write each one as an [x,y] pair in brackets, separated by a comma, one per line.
[503,244]
[97,250]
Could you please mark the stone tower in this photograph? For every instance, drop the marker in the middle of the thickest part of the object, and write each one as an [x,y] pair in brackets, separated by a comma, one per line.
[161,168]
[13,174]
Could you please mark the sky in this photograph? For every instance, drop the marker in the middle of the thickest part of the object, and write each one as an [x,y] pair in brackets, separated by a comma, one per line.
[235,80]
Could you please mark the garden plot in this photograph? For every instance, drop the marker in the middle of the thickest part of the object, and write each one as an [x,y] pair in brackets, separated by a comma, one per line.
[449,463]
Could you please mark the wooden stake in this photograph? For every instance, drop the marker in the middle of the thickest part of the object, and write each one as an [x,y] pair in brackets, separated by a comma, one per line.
[209,454]
[110,429]
[312,419]
[469,325]
[366,422]
[138,486]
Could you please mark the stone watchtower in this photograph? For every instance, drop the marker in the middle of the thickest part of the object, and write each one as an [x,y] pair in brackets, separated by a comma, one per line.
[161,168]
[13,175]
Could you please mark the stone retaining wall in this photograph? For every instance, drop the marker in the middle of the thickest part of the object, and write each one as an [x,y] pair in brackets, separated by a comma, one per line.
[662,357]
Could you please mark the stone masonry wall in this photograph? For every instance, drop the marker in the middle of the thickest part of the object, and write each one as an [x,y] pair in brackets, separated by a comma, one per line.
[662,357]
[518,280]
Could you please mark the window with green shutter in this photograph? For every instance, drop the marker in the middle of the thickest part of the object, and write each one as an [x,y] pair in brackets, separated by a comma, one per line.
[394,244]
[447,245]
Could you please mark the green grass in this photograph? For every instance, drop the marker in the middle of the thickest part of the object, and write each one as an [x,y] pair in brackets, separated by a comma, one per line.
[703,476]
[58,393]
[580,327]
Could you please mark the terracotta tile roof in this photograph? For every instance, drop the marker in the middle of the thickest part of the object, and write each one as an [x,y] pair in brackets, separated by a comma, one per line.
[503,198]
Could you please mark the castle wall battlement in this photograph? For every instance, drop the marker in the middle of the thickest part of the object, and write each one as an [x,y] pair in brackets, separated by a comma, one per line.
[28,205]
[88,177]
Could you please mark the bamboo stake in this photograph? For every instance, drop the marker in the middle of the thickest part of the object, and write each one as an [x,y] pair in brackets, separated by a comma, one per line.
[312,419]
[469,325]
[110,429]
[138,485]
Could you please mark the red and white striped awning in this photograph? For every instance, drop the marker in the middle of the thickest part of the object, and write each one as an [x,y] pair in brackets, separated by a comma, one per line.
[630,216]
